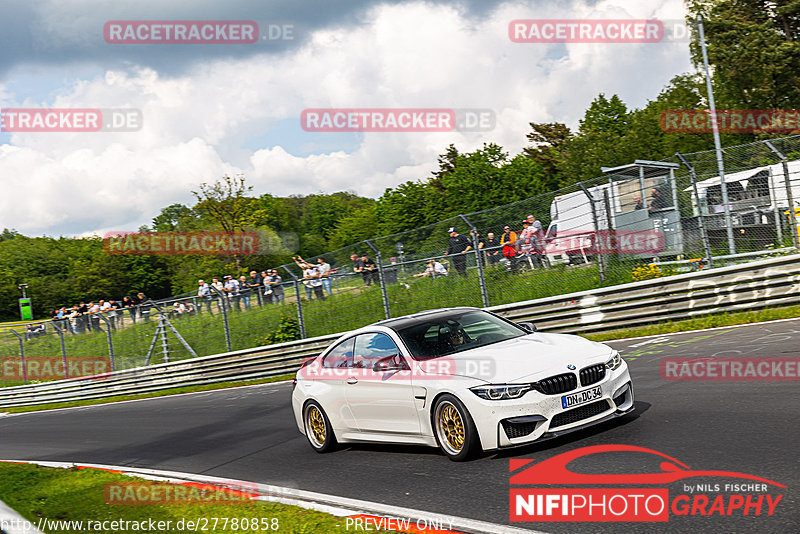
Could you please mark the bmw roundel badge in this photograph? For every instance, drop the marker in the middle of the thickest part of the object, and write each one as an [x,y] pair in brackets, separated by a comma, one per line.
[571,367]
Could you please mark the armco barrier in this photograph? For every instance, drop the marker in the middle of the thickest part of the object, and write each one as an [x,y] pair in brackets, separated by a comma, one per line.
[771,282]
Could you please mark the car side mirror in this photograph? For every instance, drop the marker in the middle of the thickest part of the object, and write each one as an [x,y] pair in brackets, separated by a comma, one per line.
[527,326]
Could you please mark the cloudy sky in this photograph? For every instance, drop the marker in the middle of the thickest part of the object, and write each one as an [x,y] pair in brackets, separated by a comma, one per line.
[215,109]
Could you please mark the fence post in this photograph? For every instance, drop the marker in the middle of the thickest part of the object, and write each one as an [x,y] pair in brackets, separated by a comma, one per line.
[110,343]
[478,261]
[299,302]
[63,348]
[381,279]
[601,262]
[789,195]
[21,355]
[718,146]
[776,212]
[224,308]
[700,215]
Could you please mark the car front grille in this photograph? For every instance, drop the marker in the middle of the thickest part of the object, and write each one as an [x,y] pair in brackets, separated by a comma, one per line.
[580,413]
[517,430]
[554,385]
[592,374]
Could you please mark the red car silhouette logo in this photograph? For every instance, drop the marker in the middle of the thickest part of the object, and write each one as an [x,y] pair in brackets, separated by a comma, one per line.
[554,470]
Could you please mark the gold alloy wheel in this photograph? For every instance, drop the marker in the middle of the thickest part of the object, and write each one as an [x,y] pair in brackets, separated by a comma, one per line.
[315,424]
[450,427]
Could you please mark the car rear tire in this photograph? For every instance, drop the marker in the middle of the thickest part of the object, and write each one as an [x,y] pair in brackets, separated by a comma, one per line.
[454,430]
[318,428]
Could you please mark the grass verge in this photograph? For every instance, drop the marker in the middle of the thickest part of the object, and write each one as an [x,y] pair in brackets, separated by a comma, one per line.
[699,323]
[53,494]
[163,393]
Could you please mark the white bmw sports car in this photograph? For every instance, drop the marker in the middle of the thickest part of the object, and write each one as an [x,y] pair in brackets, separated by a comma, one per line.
[462,379]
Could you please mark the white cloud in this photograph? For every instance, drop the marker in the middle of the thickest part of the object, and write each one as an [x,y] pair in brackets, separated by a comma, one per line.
[402,55]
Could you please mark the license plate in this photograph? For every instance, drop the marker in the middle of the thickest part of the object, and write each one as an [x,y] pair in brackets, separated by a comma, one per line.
[581,397]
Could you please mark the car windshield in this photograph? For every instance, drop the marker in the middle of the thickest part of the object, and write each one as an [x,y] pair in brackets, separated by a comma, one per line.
[455,332]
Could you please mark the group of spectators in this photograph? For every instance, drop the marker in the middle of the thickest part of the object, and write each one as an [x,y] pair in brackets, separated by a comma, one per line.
[262,288]
[528,242]
[267,287]
[85,317]
[512,246]
[316,277]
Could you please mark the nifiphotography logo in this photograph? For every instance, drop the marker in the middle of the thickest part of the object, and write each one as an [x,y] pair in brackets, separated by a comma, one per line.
[539,492]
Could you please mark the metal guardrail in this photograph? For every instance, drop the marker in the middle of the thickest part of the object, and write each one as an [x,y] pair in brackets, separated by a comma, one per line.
[771,282]
[748,286]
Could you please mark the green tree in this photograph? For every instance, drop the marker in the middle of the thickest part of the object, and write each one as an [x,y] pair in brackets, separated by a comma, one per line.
[597,143]
[754,50]
[549,150]
[225,202]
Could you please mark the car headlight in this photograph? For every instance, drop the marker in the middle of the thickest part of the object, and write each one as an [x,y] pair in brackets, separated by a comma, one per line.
[501,391]
[615,361]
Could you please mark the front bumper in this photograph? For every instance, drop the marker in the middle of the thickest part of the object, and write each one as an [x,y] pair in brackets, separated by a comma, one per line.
[536,416]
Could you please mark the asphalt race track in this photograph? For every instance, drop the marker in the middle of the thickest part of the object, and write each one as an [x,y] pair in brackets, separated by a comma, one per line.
[248,433]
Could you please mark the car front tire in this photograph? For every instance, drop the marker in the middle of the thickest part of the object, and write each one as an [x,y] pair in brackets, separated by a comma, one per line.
[318,428]
[454,429]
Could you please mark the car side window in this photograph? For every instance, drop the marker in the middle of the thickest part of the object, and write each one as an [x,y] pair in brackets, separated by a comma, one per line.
[341,355]
[371,348]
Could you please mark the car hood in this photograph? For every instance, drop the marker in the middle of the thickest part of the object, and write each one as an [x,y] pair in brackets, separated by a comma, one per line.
[524,359]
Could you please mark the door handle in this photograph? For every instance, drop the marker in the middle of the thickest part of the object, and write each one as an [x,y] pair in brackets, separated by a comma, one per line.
[352,380]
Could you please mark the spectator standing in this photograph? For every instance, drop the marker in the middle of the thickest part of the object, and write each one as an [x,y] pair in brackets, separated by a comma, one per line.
[358,267]
[508,241]
[112,313]
[316,282]
[324,270]
[458,248]
[73,317]
[256,285]
[526,238]
[492,248]
[231,289]
[83,317]
[128,304]
[93,310]
[370,271]
[244,291]
[144,308]
[274,283]
[269,286]
[220,295]
[538,233]
[204,294]
[309,272]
